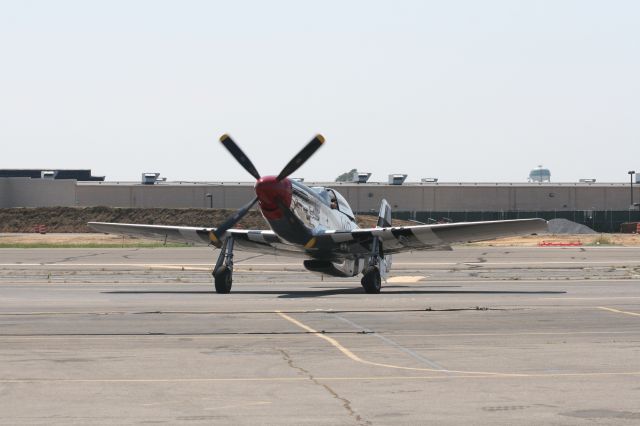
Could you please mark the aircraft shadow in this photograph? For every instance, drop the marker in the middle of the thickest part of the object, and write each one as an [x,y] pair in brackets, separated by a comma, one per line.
[294,294]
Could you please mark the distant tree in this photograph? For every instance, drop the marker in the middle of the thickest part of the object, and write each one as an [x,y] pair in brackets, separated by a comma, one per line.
[347,177]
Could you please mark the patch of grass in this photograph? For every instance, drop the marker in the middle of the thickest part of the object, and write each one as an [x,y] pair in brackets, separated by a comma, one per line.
[89,245]
[602,240]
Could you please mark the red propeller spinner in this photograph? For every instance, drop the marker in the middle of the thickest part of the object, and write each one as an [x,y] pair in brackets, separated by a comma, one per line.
[272,194]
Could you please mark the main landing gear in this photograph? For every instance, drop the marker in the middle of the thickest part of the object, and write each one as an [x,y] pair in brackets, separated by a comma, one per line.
[223,271]
[371,279]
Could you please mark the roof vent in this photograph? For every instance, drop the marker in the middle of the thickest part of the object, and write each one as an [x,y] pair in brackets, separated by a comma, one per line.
[150,178]
[397,179]
[362,177]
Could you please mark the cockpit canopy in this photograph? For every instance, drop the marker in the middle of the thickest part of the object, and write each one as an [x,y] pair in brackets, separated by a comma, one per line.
[329,195]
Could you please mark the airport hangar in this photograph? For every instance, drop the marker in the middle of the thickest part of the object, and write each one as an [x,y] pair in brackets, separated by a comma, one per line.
[602,206]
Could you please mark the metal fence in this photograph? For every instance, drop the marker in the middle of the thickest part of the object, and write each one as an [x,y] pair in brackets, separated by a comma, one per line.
[598,220]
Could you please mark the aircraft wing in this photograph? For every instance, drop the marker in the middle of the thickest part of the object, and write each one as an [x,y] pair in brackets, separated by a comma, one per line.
[339,244]
[174,234]
[427,237]
[259,241]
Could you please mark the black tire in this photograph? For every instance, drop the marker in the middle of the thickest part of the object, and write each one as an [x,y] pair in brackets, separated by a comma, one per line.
[371,281]
[223,280]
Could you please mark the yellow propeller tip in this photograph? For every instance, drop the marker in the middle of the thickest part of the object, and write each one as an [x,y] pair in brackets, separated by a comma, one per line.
[320,138]
[224,137]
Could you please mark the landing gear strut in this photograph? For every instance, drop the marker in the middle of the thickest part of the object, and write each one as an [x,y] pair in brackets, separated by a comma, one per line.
[371,280]
[223,271]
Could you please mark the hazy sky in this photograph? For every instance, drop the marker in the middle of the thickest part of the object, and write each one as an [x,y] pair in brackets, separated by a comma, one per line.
[459,90]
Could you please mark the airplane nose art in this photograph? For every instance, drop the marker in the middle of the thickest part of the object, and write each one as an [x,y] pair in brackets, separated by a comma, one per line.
[271,193]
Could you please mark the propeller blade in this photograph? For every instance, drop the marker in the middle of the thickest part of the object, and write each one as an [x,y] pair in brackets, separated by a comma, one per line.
[301,157]
[240,156]
[216,235]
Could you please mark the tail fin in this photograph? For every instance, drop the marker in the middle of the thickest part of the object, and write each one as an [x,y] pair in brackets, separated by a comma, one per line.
[384,216]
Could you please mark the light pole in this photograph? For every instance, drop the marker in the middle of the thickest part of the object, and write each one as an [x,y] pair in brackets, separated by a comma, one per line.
[210,197]
[631,173]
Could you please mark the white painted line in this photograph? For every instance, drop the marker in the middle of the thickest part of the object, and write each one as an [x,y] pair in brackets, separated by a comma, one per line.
[635,314]
[167,265]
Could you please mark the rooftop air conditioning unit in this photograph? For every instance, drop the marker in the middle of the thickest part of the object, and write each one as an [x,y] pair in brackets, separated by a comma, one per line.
[397,179]
[587,181]
[48,174]
[429,180]
[363,177]
[149,178]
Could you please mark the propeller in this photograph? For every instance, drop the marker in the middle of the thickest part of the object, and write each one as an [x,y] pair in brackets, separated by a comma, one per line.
[216,235]
[296,162]
[301,157]
[240,156]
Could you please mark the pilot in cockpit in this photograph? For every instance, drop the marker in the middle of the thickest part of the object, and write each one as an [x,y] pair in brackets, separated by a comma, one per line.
[334,202]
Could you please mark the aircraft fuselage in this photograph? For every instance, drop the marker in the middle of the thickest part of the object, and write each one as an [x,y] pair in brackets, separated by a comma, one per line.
[297,213]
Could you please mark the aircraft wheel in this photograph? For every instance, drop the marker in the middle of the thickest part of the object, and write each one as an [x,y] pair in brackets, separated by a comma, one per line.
[371,281]
[223,280]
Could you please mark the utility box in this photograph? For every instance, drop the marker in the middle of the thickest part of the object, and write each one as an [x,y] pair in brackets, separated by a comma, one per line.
[149,178]
[362,177]
[397,179]
[630,228]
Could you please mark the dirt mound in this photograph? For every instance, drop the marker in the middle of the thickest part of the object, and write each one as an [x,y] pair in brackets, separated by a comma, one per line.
[565,226]
[74,219]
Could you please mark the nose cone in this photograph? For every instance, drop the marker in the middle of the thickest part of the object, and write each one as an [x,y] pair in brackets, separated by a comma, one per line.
[271,194]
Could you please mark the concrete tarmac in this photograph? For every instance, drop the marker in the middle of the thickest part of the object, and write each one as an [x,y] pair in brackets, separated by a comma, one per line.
[474,336]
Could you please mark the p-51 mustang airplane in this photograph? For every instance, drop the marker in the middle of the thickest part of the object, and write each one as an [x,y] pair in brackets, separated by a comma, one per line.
[317,224]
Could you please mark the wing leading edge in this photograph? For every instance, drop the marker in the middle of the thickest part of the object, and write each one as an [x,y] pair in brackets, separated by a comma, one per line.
[428,237]
[259,241]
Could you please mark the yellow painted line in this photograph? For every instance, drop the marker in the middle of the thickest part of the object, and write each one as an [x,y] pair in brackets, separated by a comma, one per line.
[182,268]
[356,358]
[328,378]
[516,262]
[292,336]
[141,265]
[247,404]
[590,298]
[604,308]
[406,279]
[533,333]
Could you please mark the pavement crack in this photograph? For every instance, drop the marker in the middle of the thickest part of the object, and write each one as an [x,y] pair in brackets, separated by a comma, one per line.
[346,404]
[72,258]
[129,256]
